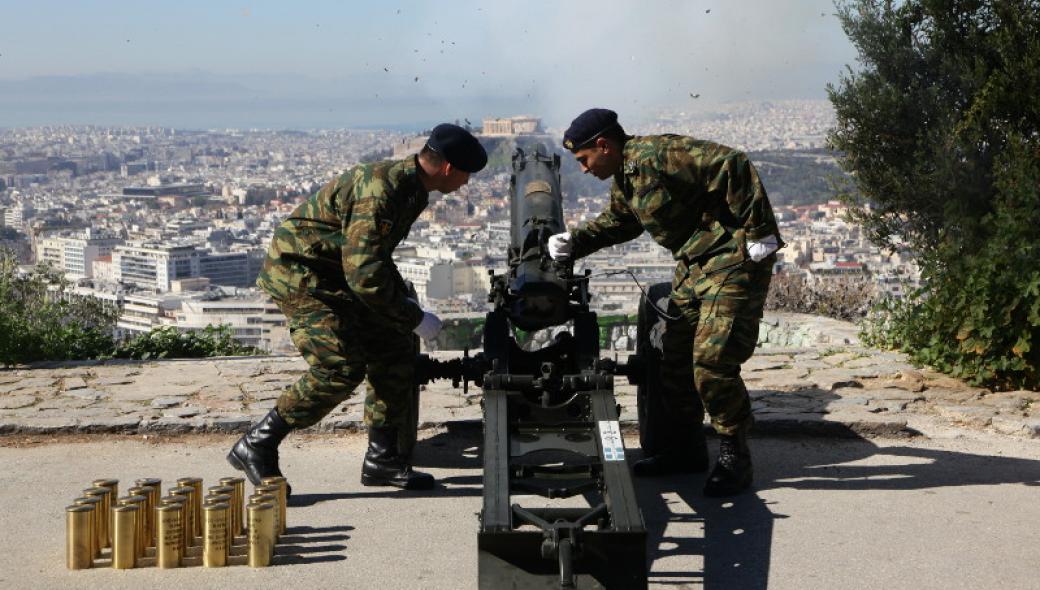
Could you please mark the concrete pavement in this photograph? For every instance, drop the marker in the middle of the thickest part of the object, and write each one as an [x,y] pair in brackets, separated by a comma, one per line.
[847,513]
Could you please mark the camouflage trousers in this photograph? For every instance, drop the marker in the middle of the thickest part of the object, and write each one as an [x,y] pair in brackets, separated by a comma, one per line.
[722,309]
[343,347]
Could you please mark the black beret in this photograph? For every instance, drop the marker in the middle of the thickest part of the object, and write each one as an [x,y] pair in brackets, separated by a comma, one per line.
[458,147]
[588,126]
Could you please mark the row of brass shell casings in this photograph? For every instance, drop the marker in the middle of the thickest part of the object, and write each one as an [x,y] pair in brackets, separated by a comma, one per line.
[113,495]
[196,518]
[193,504]
[214,498]
[238,494]
[152,488]
[140,522]
[184,512]
[144,518]
[103,510]
[283,498]
[94,538]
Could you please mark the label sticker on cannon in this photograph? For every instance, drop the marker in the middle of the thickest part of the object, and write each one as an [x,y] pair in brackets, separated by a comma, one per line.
[610,438]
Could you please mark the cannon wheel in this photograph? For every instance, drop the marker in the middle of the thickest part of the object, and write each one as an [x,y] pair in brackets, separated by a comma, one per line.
[668,423]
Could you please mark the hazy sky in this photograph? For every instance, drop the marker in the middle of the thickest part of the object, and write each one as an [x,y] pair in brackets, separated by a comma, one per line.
[304,64]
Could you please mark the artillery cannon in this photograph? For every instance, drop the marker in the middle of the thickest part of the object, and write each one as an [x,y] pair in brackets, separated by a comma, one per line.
[550,416]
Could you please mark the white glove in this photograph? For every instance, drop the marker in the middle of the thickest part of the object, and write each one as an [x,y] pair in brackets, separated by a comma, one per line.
[759,249]
[560,246]
[429,327]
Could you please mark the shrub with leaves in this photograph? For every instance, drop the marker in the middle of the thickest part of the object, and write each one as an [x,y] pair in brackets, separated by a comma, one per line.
[939,127]
[40,320]
[169,342]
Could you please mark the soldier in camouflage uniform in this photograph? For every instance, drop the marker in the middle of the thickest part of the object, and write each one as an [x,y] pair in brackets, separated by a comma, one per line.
[705,203]
[329,269]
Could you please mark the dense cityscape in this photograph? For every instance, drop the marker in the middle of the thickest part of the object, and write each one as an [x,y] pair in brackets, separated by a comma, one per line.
[172,225]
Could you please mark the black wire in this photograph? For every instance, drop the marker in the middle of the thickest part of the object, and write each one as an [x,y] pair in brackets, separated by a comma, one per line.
[646,296]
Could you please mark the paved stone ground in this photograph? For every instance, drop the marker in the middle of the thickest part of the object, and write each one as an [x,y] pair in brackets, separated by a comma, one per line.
[831,390]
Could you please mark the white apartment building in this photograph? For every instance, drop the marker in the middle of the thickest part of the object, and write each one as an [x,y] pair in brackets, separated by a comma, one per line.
[155,266]
[75,254]
[17,216]
[254,321]
[431,278]
[230,269]
[141,313]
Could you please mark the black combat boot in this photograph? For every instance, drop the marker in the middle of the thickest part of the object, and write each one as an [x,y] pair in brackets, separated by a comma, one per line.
[385,467]
[256,452]
[691,459]
[732,473]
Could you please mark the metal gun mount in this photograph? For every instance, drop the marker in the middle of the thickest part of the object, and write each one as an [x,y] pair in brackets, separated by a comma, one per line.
[550,417]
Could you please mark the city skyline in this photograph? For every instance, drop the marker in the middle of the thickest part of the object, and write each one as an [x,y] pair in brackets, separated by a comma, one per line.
[408,64]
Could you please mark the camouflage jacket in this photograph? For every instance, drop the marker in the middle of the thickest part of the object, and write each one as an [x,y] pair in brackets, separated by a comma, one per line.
[699,199]
[338,243]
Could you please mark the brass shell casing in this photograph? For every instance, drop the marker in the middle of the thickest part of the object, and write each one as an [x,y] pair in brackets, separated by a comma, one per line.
[222,499]
[184,506]
[261,521]
[79,534]
[283,499]
[148,492]
[215,535]
[272,497]
[170,544]
[113,485]
[194,482]
[124,536]
[103,521]
[238,503]
[140,521]
[190,494]
[95,522]
[151,482]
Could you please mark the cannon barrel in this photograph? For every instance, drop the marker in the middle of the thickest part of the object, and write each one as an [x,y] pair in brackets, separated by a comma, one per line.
[537,293]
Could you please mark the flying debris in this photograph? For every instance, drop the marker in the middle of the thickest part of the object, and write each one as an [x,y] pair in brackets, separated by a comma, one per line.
[417,78]
[467,121]
[692,95]
[386,69]
[708,11]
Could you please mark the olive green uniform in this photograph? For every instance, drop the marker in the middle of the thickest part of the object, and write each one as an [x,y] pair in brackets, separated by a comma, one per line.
[703,202]
[329,269]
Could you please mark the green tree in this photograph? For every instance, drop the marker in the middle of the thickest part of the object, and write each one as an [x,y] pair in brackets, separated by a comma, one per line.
[41,320]
[940,128]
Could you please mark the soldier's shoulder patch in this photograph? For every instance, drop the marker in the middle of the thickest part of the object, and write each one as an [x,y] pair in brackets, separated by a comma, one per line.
[631,167]
[385,227]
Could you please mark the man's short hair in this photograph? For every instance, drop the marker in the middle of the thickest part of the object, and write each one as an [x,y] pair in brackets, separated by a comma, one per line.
[432,157]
